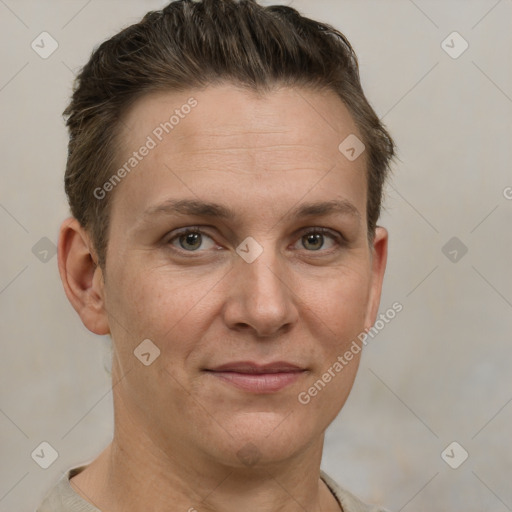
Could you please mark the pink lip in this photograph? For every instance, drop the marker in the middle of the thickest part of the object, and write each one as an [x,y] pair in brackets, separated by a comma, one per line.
[255,378]
[251,367]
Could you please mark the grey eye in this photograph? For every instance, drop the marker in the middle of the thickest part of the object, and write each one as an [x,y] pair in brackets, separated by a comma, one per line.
[191,241]
[313,241]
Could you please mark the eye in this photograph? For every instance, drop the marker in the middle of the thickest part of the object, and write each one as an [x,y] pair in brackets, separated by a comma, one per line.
[190,240]
[314,239]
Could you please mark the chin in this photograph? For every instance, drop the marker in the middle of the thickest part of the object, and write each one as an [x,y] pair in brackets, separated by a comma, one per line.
[262,439]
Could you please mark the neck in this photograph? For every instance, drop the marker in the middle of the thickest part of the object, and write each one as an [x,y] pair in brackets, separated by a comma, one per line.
[134,473]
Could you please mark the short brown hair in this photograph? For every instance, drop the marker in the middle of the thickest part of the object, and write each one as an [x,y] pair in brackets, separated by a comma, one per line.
[192,44]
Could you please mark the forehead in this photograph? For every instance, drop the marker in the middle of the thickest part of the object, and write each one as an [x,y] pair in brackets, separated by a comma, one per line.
[302,116]
[203,141]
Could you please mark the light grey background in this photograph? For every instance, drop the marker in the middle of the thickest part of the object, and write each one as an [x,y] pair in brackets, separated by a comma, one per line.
[439,372]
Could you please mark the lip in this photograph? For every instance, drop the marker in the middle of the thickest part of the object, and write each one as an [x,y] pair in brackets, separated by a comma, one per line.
[256,378]
[252,367]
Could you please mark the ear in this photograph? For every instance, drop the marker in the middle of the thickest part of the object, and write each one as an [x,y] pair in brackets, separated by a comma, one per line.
[81,276]
[378,266]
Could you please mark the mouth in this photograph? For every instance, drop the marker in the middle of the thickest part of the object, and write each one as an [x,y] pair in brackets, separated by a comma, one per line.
[256,378]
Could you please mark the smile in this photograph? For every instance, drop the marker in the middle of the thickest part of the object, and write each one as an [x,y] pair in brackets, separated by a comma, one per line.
[259,382]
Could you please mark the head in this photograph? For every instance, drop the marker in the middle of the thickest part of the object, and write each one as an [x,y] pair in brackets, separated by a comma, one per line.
[215,214]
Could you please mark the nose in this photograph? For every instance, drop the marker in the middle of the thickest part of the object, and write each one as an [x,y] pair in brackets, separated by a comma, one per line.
[261,299]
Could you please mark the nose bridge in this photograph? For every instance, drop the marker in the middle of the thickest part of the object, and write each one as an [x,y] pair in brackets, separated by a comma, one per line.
[261,298]
[266,278]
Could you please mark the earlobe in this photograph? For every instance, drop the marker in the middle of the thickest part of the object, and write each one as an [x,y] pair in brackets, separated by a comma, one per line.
[378,268]
[81,277]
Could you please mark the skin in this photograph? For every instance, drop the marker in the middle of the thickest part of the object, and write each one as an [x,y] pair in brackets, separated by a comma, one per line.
[178,428]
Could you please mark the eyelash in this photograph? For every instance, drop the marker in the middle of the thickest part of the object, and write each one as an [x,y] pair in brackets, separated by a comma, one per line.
[337,238]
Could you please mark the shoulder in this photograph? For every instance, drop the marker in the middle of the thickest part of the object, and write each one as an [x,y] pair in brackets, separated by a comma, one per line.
[349,502]
[62,497]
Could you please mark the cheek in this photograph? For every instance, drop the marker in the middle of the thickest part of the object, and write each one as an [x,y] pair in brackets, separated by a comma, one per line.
[326,392]
[340,302]
[337,314]
[154,305]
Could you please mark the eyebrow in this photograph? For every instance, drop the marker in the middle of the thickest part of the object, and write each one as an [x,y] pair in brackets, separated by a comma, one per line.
[214,210]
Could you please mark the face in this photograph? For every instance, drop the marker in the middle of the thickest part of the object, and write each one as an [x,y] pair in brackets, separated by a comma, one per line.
[239,239]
